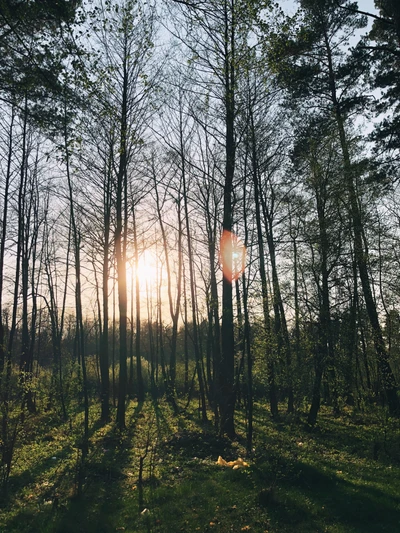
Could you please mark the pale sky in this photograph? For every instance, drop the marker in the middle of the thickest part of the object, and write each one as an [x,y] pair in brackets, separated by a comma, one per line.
[363,5]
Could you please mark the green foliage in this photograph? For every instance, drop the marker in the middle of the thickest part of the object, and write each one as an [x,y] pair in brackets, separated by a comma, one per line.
[33,46]
[384,43]
[297,54]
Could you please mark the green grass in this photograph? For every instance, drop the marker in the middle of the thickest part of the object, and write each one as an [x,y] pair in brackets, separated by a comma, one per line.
[343,476]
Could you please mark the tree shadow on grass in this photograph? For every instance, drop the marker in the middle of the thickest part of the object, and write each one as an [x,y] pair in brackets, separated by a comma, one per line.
[162,421]
[305,498]
[107,501]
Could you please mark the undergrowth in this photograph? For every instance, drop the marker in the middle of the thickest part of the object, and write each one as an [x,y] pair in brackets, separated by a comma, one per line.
[160,475]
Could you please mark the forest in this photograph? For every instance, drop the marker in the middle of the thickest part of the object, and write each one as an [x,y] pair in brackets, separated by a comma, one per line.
[199,240]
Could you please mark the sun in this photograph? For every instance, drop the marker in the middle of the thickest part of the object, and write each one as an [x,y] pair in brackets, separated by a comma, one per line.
[147,270]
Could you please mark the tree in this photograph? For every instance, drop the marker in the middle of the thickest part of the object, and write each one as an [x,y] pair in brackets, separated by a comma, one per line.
[312,65]
[315,156]
[216,38]
[35,39]
[124,32]
[385,54]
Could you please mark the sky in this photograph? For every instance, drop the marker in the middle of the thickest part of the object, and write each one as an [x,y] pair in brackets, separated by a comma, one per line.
[363,5]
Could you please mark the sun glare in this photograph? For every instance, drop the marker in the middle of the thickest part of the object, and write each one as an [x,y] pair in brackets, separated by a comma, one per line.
[147,271]
[232,255]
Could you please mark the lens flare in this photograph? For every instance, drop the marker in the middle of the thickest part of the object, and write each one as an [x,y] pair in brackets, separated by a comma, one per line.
[232,255]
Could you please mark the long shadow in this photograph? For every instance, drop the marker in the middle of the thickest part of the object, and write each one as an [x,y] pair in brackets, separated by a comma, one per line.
[136,412]
[30,476]
[296,495]
[302,497]
[107,501]
[163,425]
[105,498]
[357,440]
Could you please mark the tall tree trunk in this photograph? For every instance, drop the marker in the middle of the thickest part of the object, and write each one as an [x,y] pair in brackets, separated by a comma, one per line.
[227,365]
[173,309]
[131,334]
[211,219]
[24,211]
[388,379]
[7,433]
[193,293]
[246,332]
[104,348]
[185,334]
[120,252]
[264,289]
[324,352]
[113,347]
[3,350]
[56,319]
[152,348]
[78,295]
[281,328]
[297,344]
[139,375]
[34,278]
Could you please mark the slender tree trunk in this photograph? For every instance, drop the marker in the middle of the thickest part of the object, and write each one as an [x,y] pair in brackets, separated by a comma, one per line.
[24,212]
[227,366]
[120,252]
[104,348]
[281,328]
[153,349]
[214,319]
[246,333]
[34,280]
[324,351]
[113,348]
[352,365]
[264,289]
[192,291]
[388,379]
[139,375]
[185,334]
[56,319]
[3,350]
[173,309]
[78,295]
[130,379]
[8,435]
[297,344]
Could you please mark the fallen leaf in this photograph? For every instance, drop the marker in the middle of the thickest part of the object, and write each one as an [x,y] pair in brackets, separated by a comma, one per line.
[238,463]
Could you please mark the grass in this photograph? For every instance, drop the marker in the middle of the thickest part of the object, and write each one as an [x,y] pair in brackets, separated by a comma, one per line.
[343,476]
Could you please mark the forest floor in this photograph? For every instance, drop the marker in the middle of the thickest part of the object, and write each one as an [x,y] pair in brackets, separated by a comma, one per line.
[342,476]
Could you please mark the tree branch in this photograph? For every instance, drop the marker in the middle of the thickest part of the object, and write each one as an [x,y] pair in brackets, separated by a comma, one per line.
[376,17]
